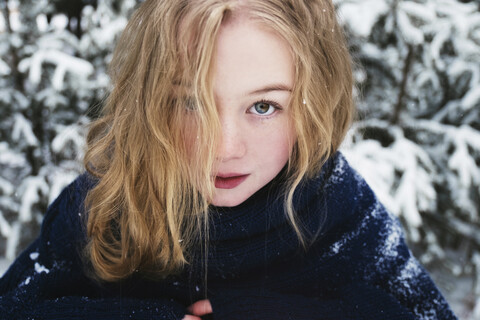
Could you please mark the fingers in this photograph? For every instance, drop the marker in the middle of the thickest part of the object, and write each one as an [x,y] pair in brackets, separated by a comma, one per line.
[190,317]
[200,308]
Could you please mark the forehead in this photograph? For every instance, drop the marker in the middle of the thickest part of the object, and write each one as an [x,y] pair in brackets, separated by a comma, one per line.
[243,51]
[248,54]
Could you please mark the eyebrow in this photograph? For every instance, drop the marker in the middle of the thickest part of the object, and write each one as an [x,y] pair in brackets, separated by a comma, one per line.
[262,90]
[272,87]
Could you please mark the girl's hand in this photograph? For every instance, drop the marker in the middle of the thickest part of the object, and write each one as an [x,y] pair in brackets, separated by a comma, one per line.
[198,309]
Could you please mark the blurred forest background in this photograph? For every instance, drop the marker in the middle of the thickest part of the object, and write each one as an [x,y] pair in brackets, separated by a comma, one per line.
[416,138]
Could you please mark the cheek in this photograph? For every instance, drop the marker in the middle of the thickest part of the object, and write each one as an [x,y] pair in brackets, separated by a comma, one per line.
[285,147]
[286,137]
[276,149]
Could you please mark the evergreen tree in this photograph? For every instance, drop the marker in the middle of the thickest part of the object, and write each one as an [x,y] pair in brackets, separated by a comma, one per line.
[416,139]
[53,59]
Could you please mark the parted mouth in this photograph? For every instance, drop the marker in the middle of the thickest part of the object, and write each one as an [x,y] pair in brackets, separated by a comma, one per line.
[229,180]
[230,175]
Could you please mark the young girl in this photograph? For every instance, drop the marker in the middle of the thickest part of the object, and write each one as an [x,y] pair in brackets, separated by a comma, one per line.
[214,186]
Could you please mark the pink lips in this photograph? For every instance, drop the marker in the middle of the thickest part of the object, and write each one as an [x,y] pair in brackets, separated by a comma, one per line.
[229,181]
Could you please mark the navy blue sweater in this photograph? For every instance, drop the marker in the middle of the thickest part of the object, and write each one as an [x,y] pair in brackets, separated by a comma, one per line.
[358,266]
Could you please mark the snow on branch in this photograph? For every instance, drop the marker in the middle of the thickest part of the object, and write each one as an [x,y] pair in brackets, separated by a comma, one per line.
[400,174]
[461,161]
[471,99]
[59,180]
[22,129]
[407,177]
[30,190]
[407,28]
[361,16]
[6,187]
[74,135]
[9,157]
[64,63]
[4,68]
[5,228]
[13,241]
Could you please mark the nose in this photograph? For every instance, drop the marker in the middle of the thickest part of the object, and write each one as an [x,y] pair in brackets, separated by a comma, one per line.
[232,140]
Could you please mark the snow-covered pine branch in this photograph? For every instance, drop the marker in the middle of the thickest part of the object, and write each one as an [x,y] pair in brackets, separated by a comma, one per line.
[417,141]
[50,79]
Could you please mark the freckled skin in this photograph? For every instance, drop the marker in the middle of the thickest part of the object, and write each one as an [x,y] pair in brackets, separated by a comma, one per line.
[253,75]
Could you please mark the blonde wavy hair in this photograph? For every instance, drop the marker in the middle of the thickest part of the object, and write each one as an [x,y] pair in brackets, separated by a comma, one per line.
[150,205]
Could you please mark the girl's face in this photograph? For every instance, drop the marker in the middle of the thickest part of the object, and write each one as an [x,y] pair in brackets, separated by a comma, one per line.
[253,78]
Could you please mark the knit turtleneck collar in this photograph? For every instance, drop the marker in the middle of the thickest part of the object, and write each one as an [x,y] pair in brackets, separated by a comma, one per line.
[264,210]
[249,217]
[242,238]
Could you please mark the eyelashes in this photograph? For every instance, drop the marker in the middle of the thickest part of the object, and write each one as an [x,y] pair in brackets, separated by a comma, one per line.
[264,108]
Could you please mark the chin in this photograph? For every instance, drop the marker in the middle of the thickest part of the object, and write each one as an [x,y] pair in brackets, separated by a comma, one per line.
[224,201]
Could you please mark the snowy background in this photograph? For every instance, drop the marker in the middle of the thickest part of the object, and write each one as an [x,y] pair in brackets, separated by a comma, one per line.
[416,138]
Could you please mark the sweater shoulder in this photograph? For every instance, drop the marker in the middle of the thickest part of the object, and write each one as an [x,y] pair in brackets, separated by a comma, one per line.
[57,248]
[63,227]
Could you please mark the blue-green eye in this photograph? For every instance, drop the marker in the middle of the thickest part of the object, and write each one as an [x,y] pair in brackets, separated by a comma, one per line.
[263,108]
